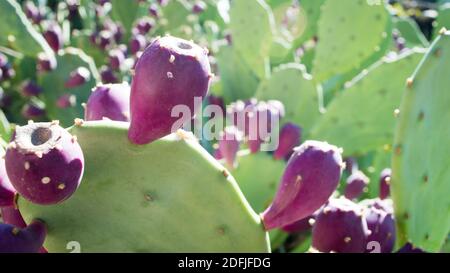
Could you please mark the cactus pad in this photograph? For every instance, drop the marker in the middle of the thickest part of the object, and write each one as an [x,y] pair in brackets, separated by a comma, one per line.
[361,118]
[18,33]
[420,172]
[53,85]
[296,90]
[131,201]
[348,41]
[252,26]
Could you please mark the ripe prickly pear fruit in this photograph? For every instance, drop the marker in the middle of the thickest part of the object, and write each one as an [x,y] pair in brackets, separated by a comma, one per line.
[381,225]
[54,37]
[7,191]
[31,111]
[44,63]
[198,7]
[171,72]
[66,100]
[356,184]
[290,136]
[44,163]
[30,88]
[137,43]
[12,216]
[144,25]
[26,240]
[107,75]
[116,59]
[78,77]
[312,174]
[229,143]
[110,101]
[351,165]
[385,180]
[340,227]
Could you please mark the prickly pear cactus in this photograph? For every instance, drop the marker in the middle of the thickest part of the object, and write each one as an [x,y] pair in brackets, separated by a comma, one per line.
[291,85]
[311,10]
[18,33]
[125,12]
[190,205]
[349,42]
[411,32]
[259,187]
[443,19]
[361,118]
[53,85]
[252,25]
[420,175]
[238,79]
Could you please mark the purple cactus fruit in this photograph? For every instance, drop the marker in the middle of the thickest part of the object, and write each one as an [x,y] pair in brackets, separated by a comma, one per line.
[44,63]
[229,143]
[382,229]
[340,227]
[78,77]
[137,43]
[110,101]
[32,12]
[351,165]
[7,191]
[290,136]
[312,174]
[22,240]
[105,38]
[53,36]
[410,248]
[107,75]
[171,72]
[356,184]
[32,111]
[218,154]
[3,60]
[8,72]
[12,216]
[144,25]
[44,163]
[385,181]
[199,7]
[116,59]
[30,88]
[153,10]
[66,101]
[217,101]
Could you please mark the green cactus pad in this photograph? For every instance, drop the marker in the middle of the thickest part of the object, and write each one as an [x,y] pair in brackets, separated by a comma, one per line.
[411,32]
[420,178]
[53,85]
[361,118]
[18,33]
[238,80]
[258,176]
[252,25]
[132,201]
[125,12]
[443,19]
[310,10]
[291,85]
[350,41]
[175,15]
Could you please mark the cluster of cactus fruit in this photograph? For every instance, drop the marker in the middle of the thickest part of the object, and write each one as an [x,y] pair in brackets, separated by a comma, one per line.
[321,118]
